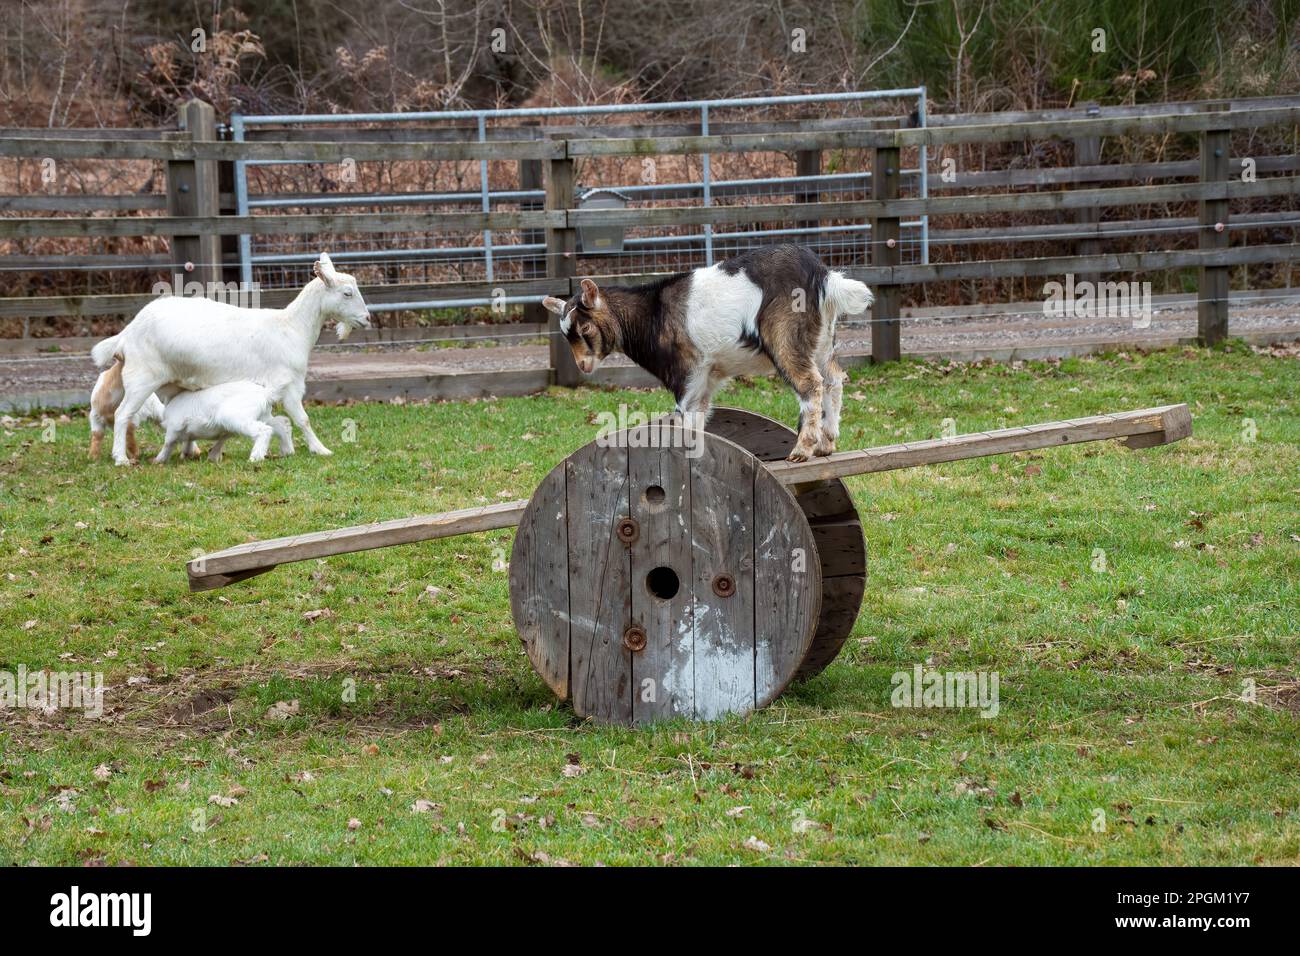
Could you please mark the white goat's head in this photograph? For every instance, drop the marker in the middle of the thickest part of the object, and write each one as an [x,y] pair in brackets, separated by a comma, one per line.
[342,301]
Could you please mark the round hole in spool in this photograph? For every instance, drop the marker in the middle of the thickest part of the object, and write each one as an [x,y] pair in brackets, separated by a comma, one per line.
[654,497]
[662,582]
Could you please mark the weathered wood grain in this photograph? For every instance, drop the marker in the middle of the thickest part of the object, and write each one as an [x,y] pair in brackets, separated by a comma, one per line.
[1170,422]
[207,571]
[787,588]
[667,662]
[600,667]
[722,525]
[539,581]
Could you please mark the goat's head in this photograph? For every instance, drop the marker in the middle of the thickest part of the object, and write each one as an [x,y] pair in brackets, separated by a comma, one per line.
[342,302]
[588,324]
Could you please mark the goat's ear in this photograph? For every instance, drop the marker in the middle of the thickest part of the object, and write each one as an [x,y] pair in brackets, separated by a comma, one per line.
[552,304]
[324,269]
[590,294]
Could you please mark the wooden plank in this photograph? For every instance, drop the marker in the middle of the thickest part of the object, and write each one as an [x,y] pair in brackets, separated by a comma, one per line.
[996,132]
[1043,266]
[787,588]
[565,220]
[539,581]
[299,152]
[382,534]
[600,595]
[82,305]
[81,202]
[722,525]
[937,205]
[667,662]
[275,225]
[1169,422]
[1056,265]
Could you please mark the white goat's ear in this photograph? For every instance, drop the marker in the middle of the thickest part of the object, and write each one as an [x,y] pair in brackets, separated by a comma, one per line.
[324,270]
[552,304]
[590,294]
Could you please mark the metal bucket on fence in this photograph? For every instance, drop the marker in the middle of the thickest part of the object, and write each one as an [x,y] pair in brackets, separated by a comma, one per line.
[601,238]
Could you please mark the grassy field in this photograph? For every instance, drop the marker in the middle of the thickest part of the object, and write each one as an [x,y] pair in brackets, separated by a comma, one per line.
[1128,601]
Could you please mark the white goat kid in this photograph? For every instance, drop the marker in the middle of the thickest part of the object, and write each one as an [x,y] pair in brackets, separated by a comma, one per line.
[179,344]
[233,408]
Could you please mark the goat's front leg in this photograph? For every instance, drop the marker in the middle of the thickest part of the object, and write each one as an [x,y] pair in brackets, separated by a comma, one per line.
[696,402]
[169,443]
[293,405]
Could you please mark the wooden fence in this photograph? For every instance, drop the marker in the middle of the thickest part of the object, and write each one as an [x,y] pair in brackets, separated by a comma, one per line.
[198,221]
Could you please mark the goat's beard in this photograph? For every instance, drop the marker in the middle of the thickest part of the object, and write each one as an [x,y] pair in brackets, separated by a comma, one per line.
[343,330]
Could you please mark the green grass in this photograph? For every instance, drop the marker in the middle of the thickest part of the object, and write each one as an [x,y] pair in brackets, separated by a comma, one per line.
[1120,689]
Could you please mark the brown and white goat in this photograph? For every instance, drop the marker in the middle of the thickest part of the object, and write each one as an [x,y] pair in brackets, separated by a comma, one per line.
[772,308]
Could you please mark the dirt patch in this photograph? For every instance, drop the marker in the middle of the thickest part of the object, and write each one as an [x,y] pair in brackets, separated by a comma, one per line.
[208,702]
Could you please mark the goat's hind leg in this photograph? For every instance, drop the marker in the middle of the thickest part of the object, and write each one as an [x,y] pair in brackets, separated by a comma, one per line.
[793,356]
[283,433]
[832,401]
[137,393]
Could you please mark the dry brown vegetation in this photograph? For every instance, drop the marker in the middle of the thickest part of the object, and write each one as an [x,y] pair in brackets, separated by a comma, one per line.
[115,63]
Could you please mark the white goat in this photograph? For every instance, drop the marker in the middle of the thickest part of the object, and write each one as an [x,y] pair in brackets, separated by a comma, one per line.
[179,344]
[233,408]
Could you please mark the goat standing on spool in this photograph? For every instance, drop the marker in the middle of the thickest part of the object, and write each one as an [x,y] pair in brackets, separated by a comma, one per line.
[179,344]
[772,308]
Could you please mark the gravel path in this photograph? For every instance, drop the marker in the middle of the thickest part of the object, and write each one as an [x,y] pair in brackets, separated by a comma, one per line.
[961,337]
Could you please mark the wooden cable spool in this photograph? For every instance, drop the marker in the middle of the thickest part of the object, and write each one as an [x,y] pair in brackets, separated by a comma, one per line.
[660,572]
[663,573]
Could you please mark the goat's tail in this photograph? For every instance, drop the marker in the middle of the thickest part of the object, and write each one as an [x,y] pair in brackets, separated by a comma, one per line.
[845,296]
[105,352]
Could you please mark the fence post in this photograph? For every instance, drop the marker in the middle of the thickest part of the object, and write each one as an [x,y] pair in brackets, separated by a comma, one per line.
[886,171]
[807,162]
[192,191]
[1212,287]
[227,205]
[561,264]
[1087,152]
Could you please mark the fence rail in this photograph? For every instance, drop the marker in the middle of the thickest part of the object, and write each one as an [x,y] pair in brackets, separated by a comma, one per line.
[548,216]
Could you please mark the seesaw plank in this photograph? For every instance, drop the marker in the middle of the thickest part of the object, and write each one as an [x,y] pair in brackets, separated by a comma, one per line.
[1137,429]
[244,560]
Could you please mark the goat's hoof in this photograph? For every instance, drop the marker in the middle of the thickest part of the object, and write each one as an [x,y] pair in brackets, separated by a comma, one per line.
[823,449]
[797,455]
[322,450]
